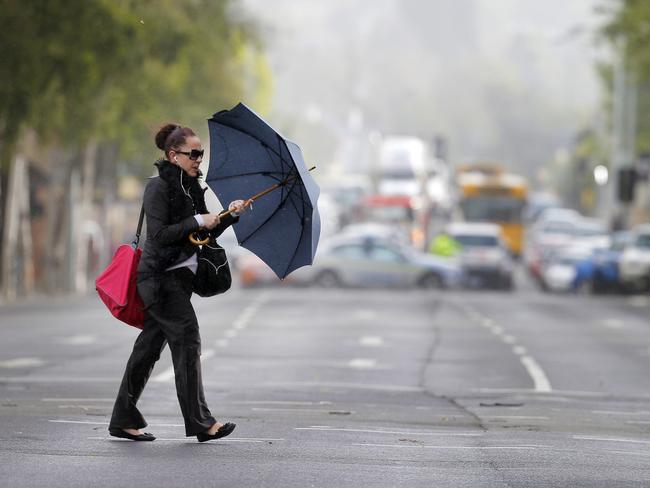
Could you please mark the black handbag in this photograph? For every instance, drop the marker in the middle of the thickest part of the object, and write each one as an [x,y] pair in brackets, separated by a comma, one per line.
[213,272]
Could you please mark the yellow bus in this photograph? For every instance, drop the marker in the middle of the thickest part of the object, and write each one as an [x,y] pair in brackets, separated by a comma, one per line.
[489,193]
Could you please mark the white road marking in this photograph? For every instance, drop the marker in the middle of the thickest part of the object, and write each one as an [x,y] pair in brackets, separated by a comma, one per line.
[613,323]
[393,432]
[497,329]
[287,409]
[540,381]
[371,341]
[254,440]
[278,402]
[519,350]
[168,374]
[78,340]
[364,314]
[609,439]
[334,384]
[77,399]
[618,412]
[636,453]
[88,422]
[415,446]
[508,339]
[21,363]
[517,417]
[362,363]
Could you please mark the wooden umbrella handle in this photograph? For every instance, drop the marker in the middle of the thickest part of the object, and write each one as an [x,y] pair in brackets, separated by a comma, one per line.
[199,242]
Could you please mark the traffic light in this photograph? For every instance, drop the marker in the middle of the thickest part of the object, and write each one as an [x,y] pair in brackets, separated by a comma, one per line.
[626,182]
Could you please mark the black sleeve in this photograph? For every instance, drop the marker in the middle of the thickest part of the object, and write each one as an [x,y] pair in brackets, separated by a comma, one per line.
[156,208]
[226,222]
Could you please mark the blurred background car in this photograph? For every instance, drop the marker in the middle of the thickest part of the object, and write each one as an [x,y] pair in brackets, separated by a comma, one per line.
[635,260]
[559,272]
[484,256]
[361,260]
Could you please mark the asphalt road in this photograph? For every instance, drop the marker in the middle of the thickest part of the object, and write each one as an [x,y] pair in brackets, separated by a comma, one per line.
[342,388]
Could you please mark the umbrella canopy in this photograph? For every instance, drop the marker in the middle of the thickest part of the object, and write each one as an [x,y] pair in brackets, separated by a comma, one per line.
[247,157]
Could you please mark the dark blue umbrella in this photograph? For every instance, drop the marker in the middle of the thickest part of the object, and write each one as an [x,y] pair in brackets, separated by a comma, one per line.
[248,157]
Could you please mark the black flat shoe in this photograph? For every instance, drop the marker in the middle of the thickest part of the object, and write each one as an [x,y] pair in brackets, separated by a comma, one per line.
[122,434]
[223,431]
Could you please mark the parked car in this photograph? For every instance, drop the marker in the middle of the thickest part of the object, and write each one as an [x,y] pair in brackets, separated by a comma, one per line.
[484,256]
[635,260]
[363,261]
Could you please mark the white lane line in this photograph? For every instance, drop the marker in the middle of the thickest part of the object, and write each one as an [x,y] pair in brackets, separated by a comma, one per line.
[309,410]
[334,384]
[540,380]
[278,402]
[21,363]
[254,440]
[364,314]
[78,340]
[371,341]
[415,446]
[497,329]
[77,399]
[508,339]
[609,439]
[362,363]
[90,422]
[635,453]
[613,323]
[393,432]
[619,412]
[168,374]
[517,417]
[519,350]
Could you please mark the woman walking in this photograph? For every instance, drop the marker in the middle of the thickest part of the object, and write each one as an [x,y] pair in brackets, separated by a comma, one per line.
[174,206]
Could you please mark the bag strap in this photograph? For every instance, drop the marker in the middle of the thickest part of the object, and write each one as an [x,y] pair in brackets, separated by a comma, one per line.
[137,232]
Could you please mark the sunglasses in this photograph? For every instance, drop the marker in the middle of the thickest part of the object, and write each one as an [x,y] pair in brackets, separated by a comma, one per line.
[194,154]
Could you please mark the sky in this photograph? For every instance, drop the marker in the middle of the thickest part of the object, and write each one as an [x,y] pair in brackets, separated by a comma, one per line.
[511,81]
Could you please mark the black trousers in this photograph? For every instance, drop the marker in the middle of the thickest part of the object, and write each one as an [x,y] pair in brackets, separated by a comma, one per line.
[171,319]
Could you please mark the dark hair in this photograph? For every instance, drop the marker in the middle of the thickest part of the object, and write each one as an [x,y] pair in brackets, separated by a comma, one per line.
[171,136]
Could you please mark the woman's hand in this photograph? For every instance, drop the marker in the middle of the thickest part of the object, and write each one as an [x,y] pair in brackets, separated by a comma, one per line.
[238,207]
[210,221]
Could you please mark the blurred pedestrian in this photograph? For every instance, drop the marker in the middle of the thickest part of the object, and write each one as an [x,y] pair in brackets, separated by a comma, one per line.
[444,245]
[175,207]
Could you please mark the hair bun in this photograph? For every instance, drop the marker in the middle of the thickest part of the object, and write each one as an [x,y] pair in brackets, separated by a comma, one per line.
[163,134]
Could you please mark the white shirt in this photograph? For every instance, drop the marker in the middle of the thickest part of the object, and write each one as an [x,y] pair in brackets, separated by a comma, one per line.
[190,262]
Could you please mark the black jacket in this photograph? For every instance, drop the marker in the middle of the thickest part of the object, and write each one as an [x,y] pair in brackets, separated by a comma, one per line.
[170,202]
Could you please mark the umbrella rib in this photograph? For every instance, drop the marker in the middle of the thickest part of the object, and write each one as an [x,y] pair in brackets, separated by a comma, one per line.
[282,202]
[302,232]
[254,173]
[266,146]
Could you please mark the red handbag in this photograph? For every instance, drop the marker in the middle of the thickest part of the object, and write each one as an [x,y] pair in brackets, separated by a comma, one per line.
[116,285]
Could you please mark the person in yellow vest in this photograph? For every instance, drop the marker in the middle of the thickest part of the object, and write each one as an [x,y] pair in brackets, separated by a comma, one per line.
[444,245]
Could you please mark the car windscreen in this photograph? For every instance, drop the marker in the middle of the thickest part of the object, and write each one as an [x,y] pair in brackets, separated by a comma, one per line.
[492,209]
[476,240]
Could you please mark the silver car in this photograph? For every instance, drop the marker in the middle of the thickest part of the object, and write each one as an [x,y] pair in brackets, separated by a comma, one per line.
[368,261]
